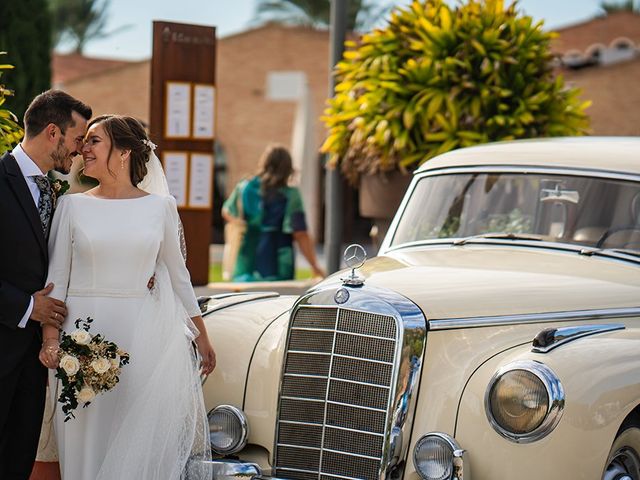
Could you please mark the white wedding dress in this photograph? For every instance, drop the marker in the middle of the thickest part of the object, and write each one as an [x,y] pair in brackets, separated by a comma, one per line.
[152,425]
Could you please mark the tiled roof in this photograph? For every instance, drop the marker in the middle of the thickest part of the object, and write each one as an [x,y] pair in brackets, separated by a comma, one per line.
[66,68]
[600,30]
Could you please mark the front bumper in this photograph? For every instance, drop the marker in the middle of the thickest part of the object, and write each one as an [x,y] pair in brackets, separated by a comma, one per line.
[233,470]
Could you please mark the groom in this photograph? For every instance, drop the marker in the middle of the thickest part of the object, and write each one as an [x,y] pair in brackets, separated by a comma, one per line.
[55,124]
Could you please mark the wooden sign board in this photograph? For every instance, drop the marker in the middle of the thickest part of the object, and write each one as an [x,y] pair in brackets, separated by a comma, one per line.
[183,99]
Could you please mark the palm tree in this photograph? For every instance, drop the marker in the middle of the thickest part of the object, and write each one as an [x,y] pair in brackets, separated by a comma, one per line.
[623,6]
[316,13]
[79,21]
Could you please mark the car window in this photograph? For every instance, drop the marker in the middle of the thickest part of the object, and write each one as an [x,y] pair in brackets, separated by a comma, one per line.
[589,211]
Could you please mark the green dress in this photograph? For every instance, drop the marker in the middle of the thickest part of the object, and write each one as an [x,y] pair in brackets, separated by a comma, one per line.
[266,252]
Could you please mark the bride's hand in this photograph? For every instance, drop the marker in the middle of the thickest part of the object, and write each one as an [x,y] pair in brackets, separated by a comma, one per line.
[49,353]
[207,354]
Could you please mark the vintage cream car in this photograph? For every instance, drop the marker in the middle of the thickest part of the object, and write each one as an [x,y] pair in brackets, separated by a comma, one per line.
[495,336]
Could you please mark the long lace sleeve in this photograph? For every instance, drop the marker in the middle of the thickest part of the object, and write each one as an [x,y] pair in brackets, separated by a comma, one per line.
[60,242]
[171,255]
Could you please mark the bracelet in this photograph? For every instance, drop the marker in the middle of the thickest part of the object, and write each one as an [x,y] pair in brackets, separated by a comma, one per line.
[49,340]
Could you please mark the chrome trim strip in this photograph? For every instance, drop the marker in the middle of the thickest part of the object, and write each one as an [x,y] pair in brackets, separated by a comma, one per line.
[310,329]
[241,297]
[555,396]
[411,332]
[366,384]
[340,476]
[304,447]
[317,400]
[349,454]
[289,469]
[551,338]
[305,375]
[326,396]
[293,422]
[368,360]
[310,471]
[577,172]
[303,352]
[535,169]
[353,334]
[354,430]
[540,244]
[371,409]
[570,316]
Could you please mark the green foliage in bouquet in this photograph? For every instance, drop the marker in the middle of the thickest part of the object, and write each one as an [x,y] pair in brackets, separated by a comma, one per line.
[10,132]
[89,365]
[439,77]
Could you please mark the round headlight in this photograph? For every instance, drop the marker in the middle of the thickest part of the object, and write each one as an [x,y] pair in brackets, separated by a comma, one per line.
[524,401]
[433,456]
[228,429]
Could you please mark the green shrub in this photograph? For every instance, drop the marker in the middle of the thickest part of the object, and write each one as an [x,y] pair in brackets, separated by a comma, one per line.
[10,131]
[437,78]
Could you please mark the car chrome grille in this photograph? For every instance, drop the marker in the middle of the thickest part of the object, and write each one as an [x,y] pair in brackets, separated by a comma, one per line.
[336,391]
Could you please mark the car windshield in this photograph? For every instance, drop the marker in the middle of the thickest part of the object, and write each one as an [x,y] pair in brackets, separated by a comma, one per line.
[581,210]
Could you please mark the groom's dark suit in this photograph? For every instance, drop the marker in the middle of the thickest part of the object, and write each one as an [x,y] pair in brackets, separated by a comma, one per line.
[23,271]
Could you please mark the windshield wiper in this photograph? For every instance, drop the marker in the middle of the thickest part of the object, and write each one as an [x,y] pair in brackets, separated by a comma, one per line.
[595,251]
[499,236]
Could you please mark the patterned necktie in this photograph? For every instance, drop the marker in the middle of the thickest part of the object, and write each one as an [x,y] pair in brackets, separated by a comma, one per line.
[45,204]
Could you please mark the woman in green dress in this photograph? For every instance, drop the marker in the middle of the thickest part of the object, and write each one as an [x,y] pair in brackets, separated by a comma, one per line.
[274,218]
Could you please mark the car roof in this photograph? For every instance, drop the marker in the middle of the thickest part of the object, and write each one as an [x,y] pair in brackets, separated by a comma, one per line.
[615,154]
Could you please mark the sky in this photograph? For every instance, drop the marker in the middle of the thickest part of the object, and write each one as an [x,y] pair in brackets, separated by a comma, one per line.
[133,19]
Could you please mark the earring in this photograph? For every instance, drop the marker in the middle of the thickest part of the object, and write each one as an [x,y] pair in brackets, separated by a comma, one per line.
[121,162]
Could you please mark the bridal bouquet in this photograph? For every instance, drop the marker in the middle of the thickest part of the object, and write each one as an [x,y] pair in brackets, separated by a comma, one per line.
[89,365]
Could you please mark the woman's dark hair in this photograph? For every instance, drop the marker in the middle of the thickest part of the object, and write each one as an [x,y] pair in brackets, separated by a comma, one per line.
[274,169]
[127,133]
[53,106]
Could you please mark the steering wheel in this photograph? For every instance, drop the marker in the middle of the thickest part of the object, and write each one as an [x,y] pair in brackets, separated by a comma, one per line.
[614,230]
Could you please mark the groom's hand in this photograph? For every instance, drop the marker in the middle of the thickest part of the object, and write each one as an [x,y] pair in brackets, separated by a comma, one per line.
[47,310]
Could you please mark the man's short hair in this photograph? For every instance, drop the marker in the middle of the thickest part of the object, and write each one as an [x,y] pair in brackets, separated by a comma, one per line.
[53,106]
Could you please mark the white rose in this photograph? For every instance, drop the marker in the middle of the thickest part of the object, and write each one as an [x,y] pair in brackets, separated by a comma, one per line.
[70,364]
[101,365]
[81,337]
[86,394]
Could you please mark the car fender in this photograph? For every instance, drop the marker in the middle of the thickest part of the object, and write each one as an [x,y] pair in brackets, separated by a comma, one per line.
[600,375]
[234,325]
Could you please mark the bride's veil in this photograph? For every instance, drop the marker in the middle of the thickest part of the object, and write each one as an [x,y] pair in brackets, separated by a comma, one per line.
[155,181]
[160,430]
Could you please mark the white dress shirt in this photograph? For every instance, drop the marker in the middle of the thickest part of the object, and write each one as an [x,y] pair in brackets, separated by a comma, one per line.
[29,170]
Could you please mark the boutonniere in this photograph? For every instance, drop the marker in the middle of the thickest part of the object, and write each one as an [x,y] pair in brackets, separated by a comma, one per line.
[59,187]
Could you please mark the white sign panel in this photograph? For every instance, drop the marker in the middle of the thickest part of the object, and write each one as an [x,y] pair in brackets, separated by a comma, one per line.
[178,120]
[175,168]
[285,85]
[200,180]
[204,111]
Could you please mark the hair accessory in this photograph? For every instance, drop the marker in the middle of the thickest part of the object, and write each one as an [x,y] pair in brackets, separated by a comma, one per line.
[149,144]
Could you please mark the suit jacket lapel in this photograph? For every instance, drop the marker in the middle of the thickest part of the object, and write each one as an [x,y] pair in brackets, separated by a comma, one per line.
[25,200]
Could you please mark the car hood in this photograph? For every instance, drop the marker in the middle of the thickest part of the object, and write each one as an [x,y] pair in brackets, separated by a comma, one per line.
[488,280]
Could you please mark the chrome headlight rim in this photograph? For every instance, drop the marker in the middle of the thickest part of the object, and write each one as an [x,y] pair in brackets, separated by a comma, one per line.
[244,428]
[456,451]
[555,399]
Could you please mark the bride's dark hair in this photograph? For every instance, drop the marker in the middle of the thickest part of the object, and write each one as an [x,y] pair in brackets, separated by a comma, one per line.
[127,133]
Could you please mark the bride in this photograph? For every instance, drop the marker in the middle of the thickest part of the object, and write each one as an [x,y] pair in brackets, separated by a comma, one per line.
[104,246]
